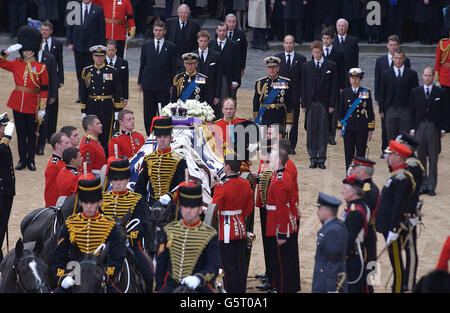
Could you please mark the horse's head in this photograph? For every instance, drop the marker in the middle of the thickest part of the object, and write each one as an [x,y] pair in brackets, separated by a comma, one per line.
[91,274]
[30,270]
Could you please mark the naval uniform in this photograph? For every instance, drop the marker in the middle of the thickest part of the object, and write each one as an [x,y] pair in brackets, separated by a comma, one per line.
[190,86]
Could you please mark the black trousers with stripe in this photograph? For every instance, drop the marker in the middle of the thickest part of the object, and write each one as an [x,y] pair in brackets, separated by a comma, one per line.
[395,257]
[233,255]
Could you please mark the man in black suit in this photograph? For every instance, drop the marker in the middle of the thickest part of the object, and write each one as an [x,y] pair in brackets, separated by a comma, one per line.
[156,71]
[121,66]
[383,63]
[210,64]
[182,31]
[395,92]
[50,62]
[7,177]
[291,67]
[80,38]
[238,36]
[325,15]
[428,109]
[348,45]
[337,57]
[231,62]
[55,47]
[318,94]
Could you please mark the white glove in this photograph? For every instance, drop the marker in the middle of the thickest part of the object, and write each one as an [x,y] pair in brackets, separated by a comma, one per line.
[13,48]
[116,115]
[165,199]
[288,128]
[41,114]
[67,282]
[191,281]
[414,221]
[391,237]
[83,115]
[9,129]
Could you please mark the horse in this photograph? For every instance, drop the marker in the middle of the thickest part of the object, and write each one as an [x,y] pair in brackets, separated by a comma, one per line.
[23,271]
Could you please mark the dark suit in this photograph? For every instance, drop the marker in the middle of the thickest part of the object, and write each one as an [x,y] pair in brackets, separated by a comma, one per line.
[185,40]
[231,62]
[56,48]
[50,62]
[293,15]
[330,255]
[293,71]
[318,94]
[382,64]
[156,72]
[394,100]
[352,11]
[350,49]
[90,33]
[121,66]
[212,67]
[241,39]
[428,119]
[325,13]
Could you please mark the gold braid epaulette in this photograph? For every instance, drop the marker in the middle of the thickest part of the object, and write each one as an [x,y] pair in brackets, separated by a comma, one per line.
[264,185]
[178,83]
[32,73]
[445,51]
[261,91]
[87,77]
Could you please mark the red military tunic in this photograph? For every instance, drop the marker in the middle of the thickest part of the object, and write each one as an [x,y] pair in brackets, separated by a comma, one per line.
[118,18]
[444,257]
[67,181]
[31,81]
[92,152]
[128,143]
[54,166]
[280,220]
[291,169]
[442,62]
[222,131]
[234,200]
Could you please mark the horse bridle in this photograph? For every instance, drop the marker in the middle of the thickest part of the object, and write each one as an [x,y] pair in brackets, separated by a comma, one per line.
[40,288]
[94,262]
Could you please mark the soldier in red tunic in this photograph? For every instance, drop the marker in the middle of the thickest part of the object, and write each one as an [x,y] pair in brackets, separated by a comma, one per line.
[119,21]
[67,179]
[442,65]
[29,96]
[90,148]
[128,141]
[234,200]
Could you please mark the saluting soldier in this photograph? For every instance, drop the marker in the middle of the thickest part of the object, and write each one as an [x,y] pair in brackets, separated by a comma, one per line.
[190,84]
[7,176]
[189,251]
[119,202]
[390,217]
[128,140]
[271,101]
[363,169]
[163,169]
[101,93]
[83,232]
[356,216]
[415,167]
[29,96]
[356,117]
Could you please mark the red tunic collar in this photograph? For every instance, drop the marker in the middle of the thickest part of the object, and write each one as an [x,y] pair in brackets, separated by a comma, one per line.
[399,167]
[164,151]
[194,224]
[94,216]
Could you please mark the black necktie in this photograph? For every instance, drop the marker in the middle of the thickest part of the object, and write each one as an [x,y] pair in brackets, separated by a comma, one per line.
[398,73]
[318,65]
[182,25]
[326,49]
[86,12]
[342,40]
[427,93]
[289,60]
[111,63]
[220,45]
[203,56]
[46,46]
[230,34]
[157,46]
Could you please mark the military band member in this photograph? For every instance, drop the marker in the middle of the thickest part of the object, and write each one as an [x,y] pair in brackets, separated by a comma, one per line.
[91,149]
[7,176]
[329,261]
[356,118]
[59,143]
[234,200]
[119,202]
[356,217]
[83,232]
[163,169]
[190,84]
[67,179]
[281,225]
[128,140]
[29,96]
[271,103]
[363,169]
[189,252]
[101,93]
[390,217]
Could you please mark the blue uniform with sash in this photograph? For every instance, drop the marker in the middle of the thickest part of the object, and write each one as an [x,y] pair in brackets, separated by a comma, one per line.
[190,86]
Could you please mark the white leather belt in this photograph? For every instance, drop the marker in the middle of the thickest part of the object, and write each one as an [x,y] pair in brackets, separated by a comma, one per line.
[237,212]
[271,207]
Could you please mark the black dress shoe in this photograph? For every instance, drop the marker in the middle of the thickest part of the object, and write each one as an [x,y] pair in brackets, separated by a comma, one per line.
[431,193]
[291,151]
[322,165]
[40,151]
[332,142]
[20,166]
[31,166]
[423,192]
[264,286]
[313,165]
[78,101]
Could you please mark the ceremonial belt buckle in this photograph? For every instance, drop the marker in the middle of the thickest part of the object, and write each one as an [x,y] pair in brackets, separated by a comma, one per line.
[27,89]
[114,21]
[230,212]
[271,207]
[273,105]
[101,97]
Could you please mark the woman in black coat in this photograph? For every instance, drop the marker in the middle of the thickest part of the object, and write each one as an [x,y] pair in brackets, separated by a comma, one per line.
[427,16]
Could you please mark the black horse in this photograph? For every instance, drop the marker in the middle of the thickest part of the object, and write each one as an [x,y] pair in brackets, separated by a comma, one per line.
[91,278]
[23,271]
